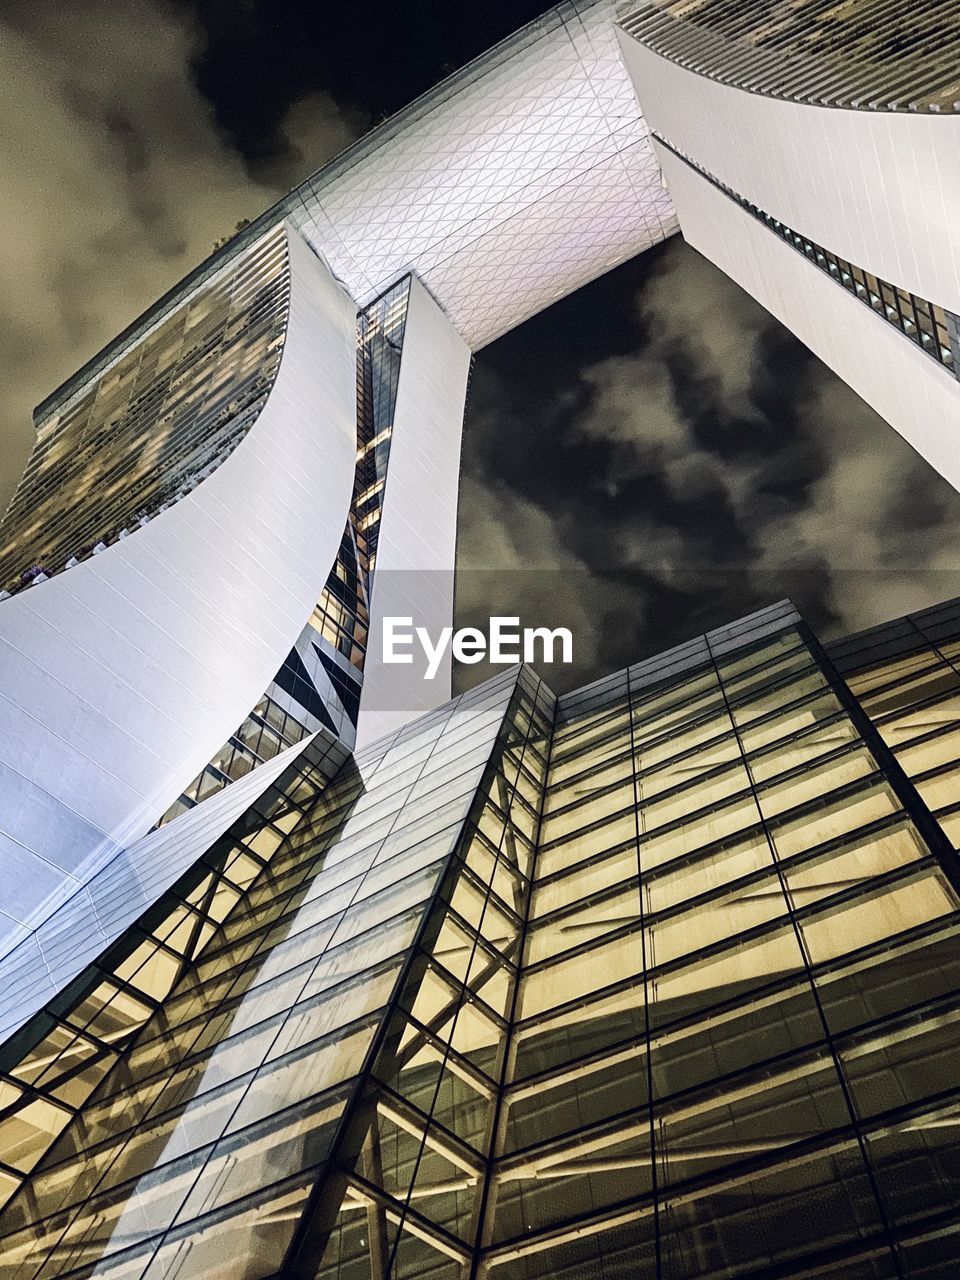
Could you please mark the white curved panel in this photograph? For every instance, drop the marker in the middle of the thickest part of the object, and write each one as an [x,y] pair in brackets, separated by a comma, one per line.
[905,386]
[516,181]
[121,677]
[416,550]
[881,189]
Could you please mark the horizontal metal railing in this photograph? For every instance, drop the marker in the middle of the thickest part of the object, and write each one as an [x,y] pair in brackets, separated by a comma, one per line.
[880,55]
[933,329]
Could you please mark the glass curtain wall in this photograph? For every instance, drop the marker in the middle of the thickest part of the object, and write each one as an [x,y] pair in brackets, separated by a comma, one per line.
[335,636]
[203,1070]
[906,676]
[659,980]
[738,1003]
[155,423]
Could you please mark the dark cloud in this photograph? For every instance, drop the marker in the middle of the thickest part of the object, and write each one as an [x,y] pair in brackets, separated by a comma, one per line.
[115,180]
[711,467]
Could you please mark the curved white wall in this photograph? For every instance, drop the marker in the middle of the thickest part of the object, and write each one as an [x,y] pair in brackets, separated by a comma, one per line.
[881,189]
[120,677]
[417,545]
[905,386]
[82,927]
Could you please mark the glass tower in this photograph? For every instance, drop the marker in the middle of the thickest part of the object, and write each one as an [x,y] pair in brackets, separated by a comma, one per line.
[656,979]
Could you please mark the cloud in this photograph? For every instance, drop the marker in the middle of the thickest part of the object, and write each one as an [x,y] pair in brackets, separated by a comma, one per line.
[719,467]
[114,182]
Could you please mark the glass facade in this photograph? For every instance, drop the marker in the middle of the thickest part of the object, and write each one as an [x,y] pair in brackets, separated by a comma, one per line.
[659,979]
[906,676]
[163,417]
[870,54]
[155,423]
[339,622]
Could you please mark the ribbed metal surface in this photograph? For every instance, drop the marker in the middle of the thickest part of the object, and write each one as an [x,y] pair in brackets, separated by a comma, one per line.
[881,55]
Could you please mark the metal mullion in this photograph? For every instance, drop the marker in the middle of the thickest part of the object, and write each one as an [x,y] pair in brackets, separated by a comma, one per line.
[100,1092]
[305,1250]
[552,1077]
[639,832]
[869,887]
[795,916]
[712,848]
[191,1056]
[753,934]
[563,873]
[120,1138]
[930,831]
[458,996]
[610,788]
[100,1052]
[497,960]
[738,702]
[763,684]
[124,988]
[692,784]
[905,1112]
[611,1128]
[497,854]
[474,879]
[285,1015]
[744,882]
[629,752]
[189,953]
[479,1079]
[399,1210]
[31,1093]
[569,1230]
[486,1205]
[611,734]
[427,1120]
[910,677]
[585,774]
[932,735]
[889,1025]
[466,994]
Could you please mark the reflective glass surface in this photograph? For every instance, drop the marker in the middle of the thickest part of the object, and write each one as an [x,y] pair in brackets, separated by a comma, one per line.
[656,980]
[155,423]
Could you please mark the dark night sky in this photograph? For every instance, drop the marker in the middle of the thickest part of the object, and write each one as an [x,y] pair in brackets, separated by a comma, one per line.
[649,458]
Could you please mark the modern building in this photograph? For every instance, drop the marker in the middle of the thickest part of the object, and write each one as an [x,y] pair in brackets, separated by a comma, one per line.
[191,554]
[307,970]
[659,978]
[812,151]
[223,505]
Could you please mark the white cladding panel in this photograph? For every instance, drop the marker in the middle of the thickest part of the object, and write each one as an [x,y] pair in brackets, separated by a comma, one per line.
[879,188]
[516,181]
[121,677]
[417,545]
[905,386]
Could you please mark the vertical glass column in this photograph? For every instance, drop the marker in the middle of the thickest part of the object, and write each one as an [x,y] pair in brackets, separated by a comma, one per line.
[412,1171]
